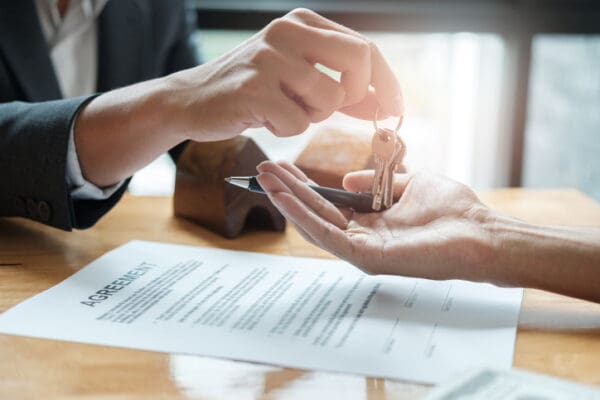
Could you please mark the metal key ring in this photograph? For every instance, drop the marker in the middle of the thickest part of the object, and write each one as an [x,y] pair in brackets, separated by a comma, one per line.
[400,119]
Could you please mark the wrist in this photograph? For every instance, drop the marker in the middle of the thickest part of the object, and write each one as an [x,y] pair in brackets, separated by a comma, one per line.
[121,131]
[483,256]
[554,258]
[170,110]
[508,248]
[156,111]
[144,109]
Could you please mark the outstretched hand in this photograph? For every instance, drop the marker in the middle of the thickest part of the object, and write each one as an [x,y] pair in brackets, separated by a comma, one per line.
[435,229]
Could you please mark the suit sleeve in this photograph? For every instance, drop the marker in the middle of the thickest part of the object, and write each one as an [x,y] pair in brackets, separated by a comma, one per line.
[33,147]
[34,140]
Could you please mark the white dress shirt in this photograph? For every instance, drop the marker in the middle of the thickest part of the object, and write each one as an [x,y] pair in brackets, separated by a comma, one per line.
[73,44]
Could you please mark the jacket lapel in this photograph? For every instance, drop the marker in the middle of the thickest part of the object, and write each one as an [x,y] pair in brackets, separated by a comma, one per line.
[26,52]
[124,49]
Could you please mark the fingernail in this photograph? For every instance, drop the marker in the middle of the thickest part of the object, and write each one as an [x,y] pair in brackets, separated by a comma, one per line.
[261,181]
[261,167]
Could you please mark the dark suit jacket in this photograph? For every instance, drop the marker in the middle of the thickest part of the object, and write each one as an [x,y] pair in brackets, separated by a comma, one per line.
[137,40]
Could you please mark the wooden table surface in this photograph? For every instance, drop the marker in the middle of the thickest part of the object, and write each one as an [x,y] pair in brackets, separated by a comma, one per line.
[556,335]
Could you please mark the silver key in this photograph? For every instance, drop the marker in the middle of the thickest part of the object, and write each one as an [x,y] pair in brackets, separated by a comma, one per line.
[386,180]
[399,151]
[381,151]
[386,163]
[383,147]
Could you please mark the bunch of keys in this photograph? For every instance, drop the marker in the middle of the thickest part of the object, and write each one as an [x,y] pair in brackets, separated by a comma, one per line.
[388,151]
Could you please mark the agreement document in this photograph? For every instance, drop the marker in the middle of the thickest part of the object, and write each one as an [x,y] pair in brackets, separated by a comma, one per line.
[297,312]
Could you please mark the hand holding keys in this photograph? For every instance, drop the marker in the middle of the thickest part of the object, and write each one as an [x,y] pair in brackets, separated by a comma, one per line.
[388,151]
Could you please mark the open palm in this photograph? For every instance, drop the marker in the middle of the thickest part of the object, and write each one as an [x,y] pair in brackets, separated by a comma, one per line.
[434,230]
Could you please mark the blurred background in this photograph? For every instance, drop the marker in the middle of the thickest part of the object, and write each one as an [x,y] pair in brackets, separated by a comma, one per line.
[498,92]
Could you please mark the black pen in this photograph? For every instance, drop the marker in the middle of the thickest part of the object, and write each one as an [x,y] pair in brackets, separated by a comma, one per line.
[360,202]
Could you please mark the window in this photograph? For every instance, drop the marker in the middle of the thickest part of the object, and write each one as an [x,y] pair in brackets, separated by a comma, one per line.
[562,140]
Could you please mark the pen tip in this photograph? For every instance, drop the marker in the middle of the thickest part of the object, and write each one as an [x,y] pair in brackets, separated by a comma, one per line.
[228,179]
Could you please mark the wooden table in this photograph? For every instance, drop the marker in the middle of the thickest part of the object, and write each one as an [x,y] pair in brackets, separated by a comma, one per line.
[557,335]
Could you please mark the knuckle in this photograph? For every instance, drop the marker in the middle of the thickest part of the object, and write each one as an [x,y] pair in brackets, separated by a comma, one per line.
[273,24]
[310,81]
[277,28]
[372,48]
[263,55]
[271,31]
[301,12]
[363,48]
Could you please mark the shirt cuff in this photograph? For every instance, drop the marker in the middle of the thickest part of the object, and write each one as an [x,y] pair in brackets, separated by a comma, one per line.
[79,187]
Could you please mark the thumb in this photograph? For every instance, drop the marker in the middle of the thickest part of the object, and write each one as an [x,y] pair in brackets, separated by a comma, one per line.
[358,181]
[362,181]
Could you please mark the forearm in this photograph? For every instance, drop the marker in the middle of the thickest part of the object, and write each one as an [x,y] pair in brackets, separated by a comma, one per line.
[121,131]
[558,259]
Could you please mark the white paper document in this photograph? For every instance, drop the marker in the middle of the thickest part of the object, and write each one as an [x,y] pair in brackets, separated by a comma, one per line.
[291,311]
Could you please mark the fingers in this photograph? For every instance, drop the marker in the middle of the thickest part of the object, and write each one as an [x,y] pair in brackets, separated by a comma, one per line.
[359,181]
[297,172]
[383,79]
[318,93]
[365,109]
[290,48]
[387,87]
[347,54]
[283,116]
[337,50]
[314,228]
[362,181]
[279,179]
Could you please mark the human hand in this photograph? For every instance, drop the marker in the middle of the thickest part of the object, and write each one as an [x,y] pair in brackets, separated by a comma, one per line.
[435,230]
[271,81]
